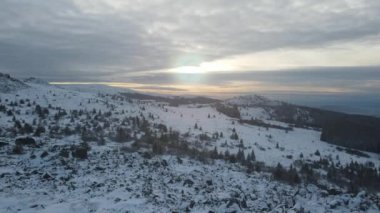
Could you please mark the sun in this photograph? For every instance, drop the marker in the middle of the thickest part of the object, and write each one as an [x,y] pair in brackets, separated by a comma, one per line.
[189,70]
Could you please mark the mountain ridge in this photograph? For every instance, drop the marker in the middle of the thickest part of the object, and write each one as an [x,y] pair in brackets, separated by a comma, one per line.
[10,84]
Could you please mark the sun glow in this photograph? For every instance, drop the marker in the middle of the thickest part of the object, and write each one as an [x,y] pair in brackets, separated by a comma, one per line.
[205,67]
[189,70]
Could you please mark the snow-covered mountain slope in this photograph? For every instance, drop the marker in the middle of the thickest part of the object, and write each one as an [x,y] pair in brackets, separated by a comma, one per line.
[263,141]
[252,100]
[34,80]
[107,152]
[9,84]
[95,88]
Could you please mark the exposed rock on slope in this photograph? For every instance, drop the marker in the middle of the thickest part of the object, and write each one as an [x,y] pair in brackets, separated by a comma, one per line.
[36,81]
[252,100]
[9,84]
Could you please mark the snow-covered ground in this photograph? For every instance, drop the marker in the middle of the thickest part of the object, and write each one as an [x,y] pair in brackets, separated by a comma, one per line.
[115,180]
[119,182]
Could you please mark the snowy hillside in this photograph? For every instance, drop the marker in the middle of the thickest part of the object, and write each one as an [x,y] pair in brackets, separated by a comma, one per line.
[9,84]
[33,80]
[66,149]
[95,88]
[252,100]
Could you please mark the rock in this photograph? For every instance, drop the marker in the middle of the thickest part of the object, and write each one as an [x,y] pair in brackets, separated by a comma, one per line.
[98,168]
[209,182]
[64,153]
[324,193]
[46,176]
[18,150]
[3,144]
[34,206]
[155,164]
[27,141]
[146,155]
[361,194]
[233,202]
[364,205]
[244,203]
[333,191]
[334,203]
[5,174]
[80,153]
[179,160]
[164,163]
[188,182]
[44,154]
[97,185]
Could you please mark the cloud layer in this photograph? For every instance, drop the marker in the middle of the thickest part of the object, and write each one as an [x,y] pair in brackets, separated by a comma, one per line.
[115,40]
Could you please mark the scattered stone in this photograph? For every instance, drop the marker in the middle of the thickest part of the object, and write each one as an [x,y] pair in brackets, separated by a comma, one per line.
[334,203]
[98,168]
[46,176]
[209,182]
[164,163]
[80,153]
[17,150]
[146,155]
[44,154]
[27,141]
[64,153]
[192,203]
[333,191]
[188,182]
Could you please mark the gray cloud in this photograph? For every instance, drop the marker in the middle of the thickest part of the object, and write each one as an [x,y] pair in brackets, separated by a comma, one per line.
[357,79]
[105,40]
[161,88]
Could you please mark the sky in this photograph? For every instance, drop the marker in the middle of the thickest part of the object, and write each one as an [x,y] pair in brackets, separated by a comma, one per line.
[214,47]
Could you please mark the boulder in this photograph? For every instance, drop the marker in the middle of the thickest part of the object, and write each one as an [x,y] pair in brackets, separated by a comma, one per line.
[79,152]
[188,182]
[44,154]
[26,141]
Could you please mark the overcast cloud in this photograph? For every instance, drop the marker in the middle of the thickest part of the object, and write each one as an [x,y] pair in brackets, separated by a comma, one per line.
[117,40]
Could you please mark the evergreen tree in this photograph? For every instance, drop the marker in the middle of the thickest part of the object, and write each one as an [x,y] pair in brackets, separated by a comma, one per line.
[253,156]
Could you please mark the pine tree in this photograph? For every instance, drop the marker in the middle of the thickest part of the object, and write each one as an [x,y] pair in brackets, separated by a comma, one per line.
[241,145]
[27,128]
[239,155]
[39,130]
[121,135]
[253,156]
[226,154]
[214,153]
